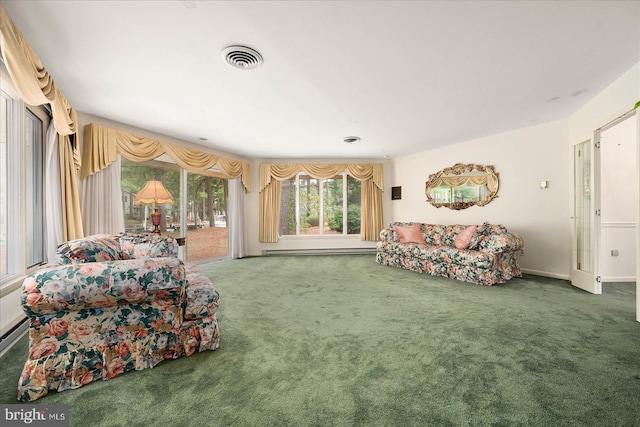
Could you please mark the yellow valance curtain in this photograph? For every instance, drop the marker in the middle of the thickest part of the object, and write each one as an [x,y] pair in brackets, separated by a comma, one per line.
[102,144]
[456,181]
[271,175]
[35,86]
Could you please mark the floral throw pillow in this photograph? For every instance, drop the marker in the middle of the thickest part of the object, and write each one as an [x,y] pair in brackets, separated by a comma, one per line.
[97,248]
[148,245]
[481,233]
[410,233]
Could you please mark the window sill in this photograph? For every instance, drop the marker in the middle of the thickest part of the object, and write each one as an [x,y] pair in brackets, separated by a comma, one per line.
[11,285]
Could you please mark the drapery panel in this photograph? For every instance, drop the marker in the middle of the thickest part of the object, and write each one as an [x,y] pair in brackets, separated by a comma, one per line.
[236,224]
[271,175]
[32,81]
[71,213]
[102,144]
[102,201]
[35,86]
[54,229]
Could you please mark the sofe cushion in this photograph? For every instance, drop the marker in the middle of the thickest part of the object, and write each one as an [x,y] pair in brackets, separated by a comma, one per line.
[97,248]
[410,233]
[463,239]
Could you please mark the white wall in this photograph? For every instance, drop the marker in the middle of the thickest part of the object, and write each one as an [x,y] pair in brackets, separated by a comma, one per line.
[10,310]
[522,158]
[618,202]
[306,242]
[618,98]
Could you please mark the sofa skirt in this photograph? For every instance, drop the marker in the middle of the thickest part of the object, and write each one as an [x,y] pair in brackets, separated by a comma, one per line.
[505,268]
[54,366]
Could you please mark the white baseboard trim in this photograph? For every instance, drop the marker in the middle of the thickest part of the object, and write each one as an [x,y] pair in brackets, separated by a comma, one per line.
[13,336]
[327,251]
[545,274]
[618,278]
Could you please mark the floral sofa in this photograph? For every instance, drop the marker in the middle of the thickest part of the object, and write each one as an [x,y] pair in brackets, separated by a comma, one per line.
[111,305]
[487,256]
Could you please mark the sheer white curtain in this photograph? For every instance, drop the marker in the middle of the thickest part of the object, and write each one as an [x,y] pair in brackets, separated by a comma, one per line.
[54,229]
[237,238]
[102,201]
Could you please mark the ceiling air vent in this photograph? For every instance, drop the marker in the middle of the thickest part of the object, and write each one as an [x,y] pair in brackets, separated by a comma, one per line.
[242,57]
[351,139]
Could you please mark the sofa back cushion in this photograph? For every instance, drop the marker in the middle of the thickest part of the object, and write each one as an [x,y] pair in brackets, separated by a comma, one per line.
[148,246]
[97,248]
[433,234]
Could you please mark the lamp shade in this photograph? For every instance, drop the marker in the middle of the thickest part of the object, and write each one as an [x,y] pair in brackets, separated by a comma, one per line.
[153,192]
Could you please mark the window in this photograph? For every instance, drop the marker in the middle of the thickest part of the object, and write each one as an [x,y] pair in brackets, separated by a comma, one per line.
[133,177]
[4,190]
[311,206]
[22,130]
[34,137]
[207,231]
[206,206]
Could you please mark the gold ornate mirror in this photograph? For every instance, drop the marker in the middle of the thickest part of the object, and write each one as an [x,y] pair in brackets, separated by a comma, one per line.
[461,186]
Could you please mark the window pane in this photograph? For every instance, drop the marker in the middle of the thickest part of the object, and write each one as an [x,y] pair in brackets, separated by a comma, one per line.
[336,196]
[442,194]
[333,193]
[35,213]
[353,205]
[207,232]
[137,218]
[309,205]
[287,223]
[4,195]
[466,193]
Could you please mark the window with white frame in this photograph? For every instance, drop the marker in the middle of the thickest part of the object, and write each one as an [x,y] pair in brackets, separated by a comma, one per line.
[311,206]
[22,130]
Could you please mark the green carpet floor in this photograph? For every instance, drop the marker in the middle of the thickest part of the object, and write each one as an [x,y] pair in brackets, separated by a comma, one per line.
[343,341]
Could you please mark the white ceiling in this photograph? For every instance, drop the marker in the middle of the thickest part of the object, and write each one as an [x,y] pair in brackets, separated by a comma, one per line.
[404,76]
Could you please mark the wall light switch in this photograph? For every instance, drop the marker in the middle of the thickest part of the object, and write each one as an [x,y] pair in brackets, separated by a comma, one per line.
[615,252]
[544,184]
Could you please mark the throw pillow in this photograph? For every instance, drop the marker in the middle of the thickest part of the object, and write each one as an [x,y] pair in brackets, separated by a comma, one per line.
[410,233]
[463,239]
[148,245]
[97,248]
[481,232]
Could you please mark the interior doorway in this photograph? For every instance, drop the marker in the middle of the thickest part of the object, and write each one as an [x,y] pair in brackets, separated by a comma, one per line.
[619,201]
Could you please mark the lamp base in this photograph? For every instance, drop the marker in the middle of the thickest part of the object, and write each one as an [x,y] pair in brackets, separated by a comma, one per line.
[155,220]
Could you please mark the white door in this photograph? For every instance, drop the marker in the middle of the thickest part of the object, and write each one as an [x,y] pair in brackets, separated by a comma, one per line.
[585,273]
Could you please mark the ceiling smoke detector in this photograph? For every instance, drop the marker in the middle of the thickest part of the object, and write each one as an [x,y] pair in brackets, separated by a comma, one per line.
[351,139]
[242,57]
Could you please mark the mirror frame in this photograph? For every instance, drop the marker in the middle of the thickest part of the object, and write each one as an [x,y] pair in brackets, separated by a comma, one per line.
[460,169]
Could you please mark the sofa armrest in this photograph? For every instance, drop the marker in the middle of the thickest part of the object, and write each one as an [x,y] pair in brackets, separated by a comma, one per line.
[73,287]
[502,242]
[388,234]
[148,245]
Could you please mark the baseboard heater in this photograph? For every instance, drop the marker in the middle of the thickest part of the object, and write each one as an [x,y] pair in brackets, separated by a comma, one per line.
[327,251]
[13,334]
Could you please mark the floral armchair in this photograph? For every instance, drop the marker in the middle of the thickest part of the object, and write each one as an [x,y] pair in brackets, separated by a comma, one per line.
[113,304]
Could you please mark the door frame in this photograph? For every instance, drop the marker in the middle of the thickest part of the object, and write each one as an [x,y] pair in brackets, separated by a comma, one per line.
[591,282]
